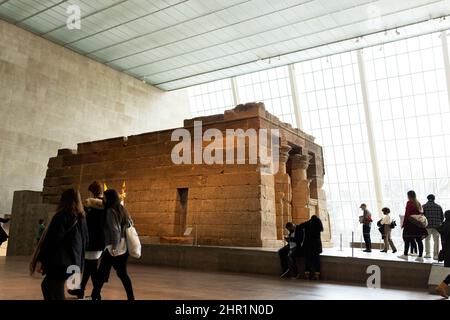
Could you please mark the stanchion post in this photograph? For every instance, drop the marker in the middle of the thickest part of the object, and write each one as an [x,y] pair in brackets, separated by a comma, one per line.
[353,243]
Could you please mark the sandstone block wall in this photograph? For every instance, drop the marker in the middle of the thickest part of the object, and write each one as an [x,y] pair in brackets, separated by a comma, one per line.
[224,204]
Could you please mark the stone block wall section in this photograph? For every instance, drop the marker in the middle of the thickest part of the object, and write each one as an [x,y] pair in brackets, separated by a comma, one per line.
[52,97]
[26,212]
[226,204]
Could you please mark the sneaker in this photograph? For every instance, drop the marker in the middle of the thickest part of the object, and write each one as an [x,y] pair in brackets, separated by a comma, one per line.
[76,292]
[403,256]
[367,250]
[384,251]
[394,251]
[436,258]
[296,277]
[419,259]
[427,256]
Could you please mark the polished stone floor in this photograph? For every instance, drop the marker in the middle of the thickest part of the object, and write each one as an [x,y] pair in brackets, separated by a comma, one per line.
[172,284]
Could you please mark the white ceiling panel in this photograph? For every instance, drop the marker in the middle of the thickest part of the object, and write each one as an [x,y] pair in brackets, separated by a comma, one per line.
[178,43]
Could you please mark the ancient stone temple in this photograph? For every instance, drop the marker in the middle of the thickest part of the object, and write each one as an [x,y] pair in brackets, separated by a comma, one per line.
[206,204]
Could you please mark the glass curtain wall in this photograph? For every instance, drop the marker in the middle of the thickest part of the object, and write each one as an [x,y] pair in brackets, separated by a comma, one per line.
[409,107]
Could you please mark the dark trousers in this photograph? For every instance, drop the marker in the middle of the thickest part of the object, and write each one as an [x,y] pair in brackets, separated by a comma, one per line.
[410,241]
[119,263]
[90,271]
[312,263]
[287,259]
[53,288]
[447,280]
[413,246]
[366,235]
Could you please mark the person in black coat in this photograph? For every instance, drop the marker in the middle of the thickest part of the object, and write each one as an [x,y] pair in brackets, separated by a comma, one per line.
[3,234]
[312,247]
[95,215]
[63,245]
[444,230]
[292,250]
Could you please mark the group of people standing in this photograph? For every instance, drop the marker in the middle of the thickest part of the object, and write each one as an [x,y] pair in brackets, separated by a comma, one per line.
[419,223]
[90,237]
[304,240]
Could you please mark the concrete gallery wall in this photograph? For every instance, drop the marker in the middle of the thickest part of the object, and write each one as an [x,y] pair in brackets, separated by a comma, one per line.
[52,98]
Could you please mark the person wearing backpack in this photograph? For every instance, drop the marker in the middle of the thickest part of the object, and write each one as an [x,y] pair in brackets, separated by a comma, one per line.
[62,245]
[117,220]
[386,224]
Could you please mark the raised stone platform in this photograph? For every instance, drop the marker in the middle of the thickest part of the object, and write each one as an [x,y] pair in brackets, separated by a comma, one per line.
[394,274]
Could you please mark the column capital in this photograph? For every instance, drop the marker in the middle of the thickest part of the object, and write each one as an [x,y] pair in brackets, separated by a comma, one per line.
[284,153]
[300,161]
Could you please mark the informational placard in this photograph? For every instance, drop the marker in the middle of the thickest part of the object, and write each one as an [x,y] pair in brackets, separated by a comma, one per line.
[188,232]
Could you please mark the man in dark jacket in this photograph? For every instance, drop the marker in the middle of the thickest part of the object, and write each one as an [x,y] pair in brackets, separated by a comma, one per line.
[290,251]
[435,216]
[312,247]
[444,230]
[95,216]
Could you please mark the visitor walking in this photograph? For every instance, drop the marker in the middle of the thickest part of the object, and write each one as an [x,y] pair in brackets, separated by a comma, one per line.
[435,216]
[386,223]
[366,221]
[116,254]
[94,218]
[3,234]
[444,230]
[412,230]
[62,245]
[312,247]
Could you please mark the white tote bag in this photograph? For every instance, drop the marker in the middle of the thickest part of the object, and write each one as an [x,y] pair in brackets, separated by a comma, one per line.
[133,242]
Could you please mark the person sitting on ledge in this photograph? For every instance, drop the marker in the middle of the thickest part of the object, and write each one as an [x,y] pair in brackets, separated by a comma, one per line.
[290,251]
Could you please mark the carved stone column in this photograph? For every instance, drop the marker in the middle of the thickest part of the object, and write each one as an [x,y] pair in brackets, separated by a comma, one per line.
[283,192]
[300,188]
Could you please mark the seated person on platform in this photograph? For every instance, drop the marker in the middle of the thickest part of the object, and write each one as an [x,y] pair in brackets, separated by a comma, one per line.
[290,251]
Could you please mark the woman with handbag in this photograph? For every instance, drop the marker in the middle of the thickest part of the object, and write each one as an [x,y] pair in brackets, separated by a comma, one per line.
[117,220]
[62,245]
[412,228]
